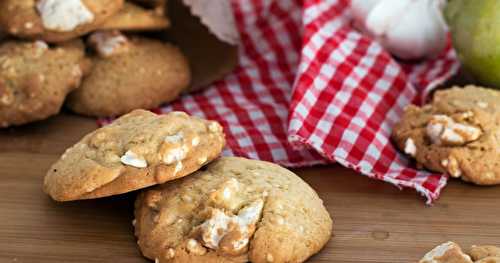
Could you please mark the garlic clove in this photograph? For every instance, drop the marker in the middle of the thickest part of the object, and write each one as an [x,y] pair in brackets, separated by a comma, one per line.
[409,29]
[407,38]
[419,33]
[384,15]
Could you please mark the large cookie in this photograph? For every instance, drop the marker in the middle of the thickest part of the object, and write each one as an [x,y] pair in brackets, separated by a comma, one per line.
[458,133]
[137,150]
[129,73]
[236,210]
[451,252]
[448,252]
[35,79]
[55,20]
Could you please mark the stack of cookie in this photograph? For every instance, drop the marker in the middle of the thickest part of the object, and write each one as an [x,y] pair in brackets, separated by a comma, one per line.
[89,49]
[458,133]
[451,252]
[202,209]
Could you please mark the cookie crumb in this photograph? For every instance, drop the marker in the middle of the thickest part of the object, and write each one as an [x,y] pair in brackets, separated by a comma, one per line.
[63,15]
[132,159]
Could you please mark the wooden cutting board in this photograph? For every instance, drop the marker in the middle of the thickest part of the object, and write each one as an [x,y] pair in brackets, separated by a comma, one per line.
[373,221]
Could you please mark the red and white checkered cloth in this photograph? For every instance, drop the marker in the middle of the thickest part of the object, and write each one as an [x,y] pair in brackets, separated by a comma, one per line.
[310,89]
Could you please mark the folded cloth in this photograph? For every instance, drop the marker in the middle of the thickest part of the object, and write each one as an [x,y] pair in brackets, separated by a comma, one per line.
[310,89]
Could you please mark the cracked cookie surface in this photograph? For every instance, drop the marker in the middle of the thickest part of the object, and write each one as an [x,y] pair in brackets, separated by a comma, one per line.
[129,73]
[55,20]
[35,79]
[458,133]
[137,150]
[235,210]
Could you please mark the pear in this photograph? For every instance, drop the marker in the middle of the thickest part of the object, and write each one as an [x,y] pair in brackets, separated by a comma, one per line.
[475,30]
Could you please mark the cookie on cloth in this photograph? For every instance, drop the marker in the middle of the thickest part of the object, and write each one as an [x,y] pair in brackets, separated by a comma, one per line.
[457,133]
[129,73]
[235,210]
[35,79]
[138,150]
[448,252]
[489,254]
[136,18]
[55,20]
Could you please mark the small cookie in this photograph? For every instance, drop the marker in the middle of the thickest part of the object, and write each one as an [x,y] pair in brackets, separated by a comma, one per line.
[135,18]
[130,73]
[236,210]
[483,252]
[458,133]
[55,20]
[448,252]
[35,79]
[137,150]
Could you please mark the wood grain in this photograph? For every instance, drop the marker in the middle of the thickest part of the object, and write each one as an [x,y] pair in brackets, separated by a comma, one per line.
[373,221]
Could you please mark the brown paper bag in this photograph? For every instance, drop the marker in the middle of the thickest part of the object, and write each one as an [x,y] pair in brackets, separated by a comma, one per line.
[206,33]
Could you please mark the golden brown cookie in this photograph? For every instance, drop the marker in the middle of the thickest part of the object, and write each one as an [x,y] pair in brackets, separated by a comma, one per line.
[457,133]
[137,150]
[130,73]
[136,18]
[485,252]
[235,210]
[448,252]
[35,79]
[55,20]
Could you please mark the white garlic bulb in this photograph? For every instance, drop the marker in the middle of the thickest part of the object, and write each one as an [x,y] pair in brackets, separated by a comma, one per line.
[409,29]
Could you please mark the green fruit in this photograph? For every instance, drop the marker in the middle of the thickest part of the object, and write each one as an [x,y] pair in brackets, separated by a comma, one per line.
[475,29]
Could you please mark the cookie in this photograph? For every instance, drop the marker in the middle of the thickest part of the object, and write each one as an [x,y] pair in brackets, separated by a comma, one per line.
[448,252]
[129,73]
[55,20]
[457,133]
[451,252]
[135,18]
[35,79]
[488,253]
[137,150]
[235,210]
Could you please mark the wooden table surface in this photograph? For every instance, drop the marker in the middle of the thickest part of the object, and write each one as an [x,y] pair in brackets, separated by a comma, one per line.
[373,221]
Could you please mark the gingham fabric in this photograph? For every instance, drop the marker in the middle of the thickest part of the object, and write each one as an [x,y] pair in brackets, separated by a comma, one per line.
[310,89]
